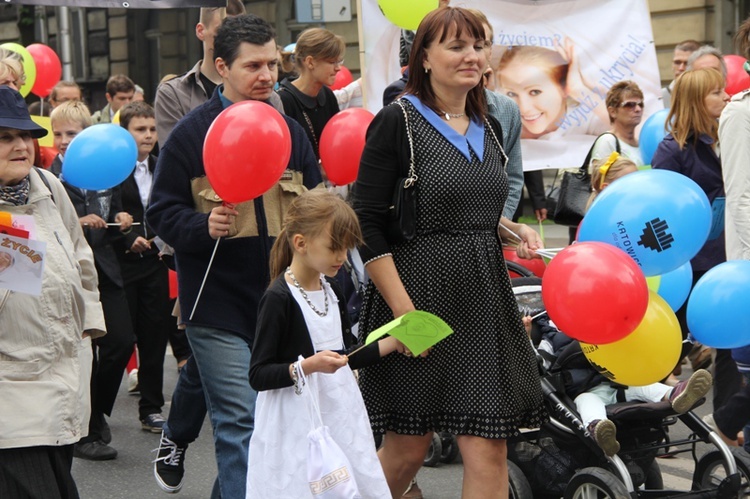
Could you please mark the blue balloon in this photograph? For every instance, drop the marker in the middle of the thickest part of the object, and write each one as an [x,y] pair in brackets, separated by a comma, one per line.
[675,286]
[717,313]
[290,47]
[100,157]
[658,217]
[652,133]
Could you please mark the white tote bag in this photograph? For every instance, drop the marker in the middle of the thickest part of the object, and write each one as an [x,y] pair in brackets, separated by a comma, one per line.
[329,472]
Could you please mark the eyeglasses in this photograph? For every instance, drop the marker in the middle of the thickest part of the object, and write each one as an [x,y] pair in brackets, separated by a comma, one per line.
[632,104]
[336,63]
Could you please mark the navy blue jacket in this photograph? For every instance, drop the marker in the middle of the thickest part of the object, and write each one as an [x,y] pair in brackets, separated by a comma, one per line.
[699,162]
[181,200]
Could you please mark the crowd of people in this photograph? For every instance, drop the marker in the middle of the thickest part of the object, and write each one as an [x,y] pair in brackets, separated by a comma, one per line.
[269,320]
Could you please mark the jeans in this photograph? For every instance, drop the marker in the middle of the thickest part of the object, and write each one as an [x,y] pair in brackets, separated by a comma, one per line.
[188,406]
[223,359]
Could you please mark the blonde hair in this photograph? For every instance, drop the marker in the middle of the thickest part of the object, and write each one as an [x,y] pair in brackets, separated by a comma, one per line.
[688,114]
[312,214]
[548,60]
[11,68]
[320,44]
[72,111]
[617,169]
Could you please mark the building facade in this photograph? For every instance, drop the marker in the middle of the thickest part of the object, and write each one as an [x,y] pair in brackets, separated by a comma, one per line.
[149,44]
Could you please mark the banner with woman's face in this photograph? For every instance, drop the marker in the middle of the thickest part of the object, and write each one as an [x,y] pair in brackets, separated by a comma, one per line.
[556,59]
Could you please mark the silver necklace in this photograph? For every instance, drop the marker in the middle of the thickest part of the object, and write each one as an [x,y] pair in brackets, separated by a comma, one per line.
[304,294]
[448,116]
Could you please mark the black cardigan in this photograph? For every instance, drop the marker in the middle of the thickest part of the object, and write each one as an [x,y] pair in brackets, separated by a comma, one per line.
[282,335]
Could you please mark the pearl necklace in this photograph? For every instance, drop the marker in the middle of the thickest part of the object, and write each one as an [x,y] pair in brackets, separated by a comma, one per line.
[304,294]
[448,116]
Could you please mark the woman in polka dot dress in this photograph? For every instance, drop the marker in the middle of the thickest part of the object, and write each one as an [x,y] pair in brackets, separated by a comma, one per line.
[480,383]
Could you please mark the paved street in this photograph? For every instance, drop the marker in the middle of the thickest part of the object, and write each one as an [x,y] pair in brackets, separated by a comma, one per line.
[131,474]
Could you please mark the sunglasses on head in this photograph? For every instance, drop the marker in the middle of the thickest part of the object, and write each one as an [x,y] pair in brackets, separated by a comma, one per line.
[631,104]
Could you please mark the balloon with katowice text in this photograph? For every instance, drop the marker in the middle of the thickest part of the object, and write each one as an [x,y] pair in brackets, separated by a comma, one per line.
[100,157]
[29,66]
[645,356]
[660,218]
[407,14]
[737,78]
[341,144]
[246,150]
[48,69]
[674,286]
[718,314]
[594,292]
[652,133]
[343,78]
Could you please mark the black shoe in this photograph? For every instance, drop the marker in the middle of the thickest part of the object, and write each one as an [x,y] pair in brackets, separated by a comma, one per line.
[106,433]
[153,423]
[169,465]
[94,451]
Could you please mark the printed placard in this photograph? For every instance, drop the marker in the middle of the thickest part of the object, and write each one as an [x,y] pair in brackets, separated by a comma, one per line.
[22,264]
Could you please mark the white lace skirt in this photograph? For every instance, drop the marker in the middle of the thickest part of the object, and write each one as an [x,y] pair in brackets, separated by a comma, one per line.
[277,463]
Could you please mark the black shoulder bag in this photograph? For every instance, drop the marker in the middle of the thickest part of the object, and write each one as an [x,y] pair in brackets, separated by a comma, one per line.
[575,190]
[402,213]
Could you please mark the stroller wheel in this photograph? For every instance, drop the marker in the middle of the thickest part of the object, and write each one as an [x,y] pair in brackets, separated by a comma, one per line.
[595,483]
[432,458]
[710,472]
[518,484]
[654,480]
[450,447]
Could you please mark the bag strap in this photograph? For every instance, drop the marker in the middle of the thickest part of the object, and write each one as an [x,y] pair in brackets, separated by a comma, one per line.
[316,420]
[497,141]
[307,119]
[412,170]
[46,182]
[587,161]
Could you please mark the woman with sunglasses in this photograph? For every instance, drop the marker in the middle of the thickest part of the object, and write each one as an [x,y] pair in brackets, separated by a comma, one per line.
[318,56]
[625,108]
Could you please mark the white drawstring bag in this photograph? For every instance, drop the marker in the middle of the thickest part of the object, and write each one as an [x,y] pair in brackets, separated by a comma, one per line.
[329,472]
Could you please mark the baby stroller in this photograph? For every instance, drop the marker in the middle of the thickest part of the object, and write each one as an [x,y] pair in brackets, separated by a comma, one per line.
[560,459]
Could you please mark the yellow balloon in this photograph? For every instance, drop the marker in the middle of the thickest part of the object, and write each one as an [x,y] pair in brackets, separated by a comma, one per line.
[29,66]
[116,118]
[407,14]
[645,356]
[653,282]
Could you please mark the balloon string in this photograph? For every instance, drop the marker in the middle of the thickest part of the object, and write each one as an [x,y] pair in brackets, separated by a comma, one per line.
[205,276]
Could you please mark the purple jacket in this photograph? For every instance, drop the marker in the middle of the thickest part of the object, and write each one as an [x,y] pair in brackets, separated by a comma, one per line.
[699,162]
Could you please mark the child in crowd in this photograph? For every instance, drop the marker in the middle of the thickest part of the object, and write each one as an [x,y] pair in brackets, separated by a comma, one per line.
[144,274]
[607,171]
[97,209]
[301,313]
[592,392]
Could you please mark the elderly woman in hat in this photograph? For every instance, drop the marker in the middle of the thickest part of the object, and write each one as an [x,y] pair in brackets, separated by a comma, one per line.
[45,344]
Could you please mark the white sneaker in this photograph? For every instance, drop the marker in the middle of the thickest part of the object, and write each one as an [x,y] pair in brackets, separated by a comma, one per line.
[133,388]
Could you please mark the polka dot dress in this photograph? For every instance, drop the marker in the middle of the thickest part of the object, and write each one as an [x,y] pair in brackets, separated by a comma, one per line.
[482,380]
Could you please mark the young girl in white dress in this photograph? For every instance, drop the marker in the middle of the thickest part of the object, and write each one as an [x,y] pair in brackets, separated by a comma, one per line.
[301,313]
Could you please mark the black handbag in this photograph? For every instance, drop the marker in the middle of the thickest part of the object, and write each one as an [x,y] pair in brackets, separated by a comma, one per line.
[402,213]
[575,191]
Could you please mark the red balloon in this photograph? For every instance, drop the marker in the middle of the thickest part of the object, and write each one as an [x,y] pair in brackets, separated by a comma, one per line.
[342,143]
[48,69]
[595,292]
[247,149]
[343,78]
[737,78]
[535,265]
